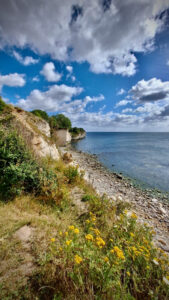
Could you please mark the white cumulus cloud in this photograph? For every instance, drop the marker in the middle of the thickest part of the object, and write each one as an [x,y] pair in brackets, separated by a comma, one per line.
[150,90]
[50,73]
[122,103]
[69,69]
[50,100]
[12,80]
[121,92]
[27,60]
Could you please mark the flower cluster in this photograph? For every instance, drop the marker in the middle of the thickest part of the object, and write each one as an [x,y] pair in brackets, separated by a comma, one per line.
[118,252]
[78,259]
[100,242]
[89,237]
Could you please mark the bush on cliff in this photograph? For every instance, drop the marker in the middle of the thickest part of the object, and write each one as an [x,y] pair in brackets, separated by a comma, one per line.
[41,114]
[3,105]
[60,122]
[19,172]
[76,131]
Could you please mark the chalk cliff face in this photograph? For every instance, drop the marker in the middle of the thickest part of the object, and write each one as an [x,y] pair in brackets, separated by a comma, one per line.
[42,125]
[79,136]
[35,132]
[62,137]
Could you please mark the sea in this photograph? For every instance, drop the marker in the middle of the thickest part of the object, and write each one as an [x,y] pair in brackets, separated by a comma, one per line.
[143,157]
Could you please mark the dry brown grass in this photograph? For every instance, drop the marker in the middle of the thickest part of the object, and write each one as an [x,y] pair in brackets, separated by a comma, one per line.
[19,260]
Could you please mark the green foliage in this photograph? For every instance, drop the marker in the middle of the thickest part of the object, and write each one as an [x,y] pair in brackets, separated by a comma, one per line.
[60,122]
[3,105]
[72,174]
[119,260]
[41,114]
[19,172]
[87,198]
[76,130]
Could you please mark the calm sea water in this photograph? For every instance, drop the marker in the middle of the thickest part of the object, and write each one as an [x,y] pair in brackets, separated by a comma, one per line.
[141,156]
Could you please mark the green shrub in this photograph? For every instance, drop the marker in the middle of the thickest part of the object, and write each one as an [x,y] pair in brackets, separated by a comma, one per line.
[60,122]
[72,174]
[41,114]
[3,105]
[19,172]
[75,131]
[87,198]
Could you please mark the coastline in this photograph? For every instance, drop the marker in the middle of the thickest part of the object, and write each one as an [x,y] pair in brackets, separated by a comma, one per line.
[150,209]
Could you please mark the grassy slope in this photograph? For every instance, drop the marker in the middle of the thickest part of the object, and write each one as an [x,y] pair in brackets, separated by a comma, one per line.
[67,243]
[105,272]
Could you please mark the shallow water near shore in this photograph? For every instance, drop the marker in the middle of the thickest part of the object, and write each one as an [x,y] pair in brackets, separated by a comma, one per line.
[140,156]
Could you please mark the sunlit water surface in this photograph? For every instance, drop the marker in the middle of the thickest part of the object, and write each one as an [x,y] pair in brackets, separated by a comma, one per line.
[141,156]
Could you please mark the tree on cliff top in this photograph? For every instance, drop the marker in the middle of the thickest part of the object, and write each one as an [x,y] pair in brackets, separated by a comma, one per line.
[60,122]
[41,114]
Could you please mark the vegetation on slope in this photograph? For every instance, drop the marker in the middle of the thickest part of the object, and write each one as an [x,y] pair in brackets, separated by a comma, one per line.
[60,122]
[20,172]
[41,114]
[99,252]
[2,105]
[76,131]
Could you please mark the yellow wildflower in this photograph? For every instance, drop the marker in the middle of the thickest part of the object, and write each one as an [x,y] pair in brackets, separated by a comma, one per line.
[96,231]
[128,273]
[125,211]
[76,230]
[106,259]
[133,216]
[66,233]
[88,221]
[60,233]
[118,252]
[68,242]
[78,259]
[53,240]
[100,242]
[131,234]
[71,227]
[89,237]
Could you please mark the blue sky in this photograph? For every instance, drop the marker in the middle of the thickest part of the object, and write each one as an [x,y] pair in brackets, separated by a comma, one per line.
[103,63]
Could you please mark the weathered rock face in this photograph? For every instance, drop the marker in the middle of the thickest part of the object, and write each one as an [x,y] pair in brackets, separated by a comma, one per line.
[42,148]
[62,137]
[35,133]
[43,126]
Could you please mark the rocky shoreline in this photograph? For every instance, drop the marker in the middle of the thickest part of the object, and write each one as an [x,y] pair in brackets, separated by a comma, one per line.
[149,209]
